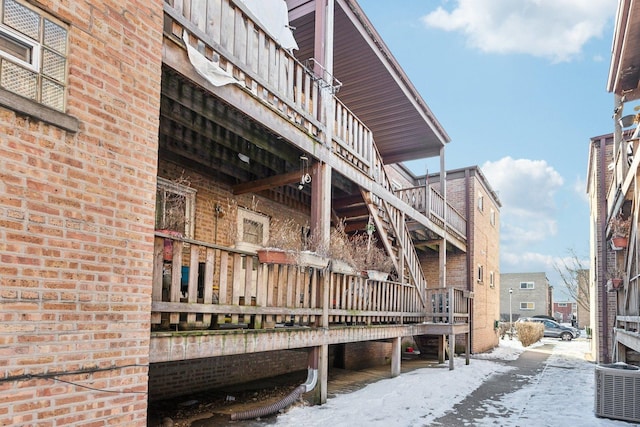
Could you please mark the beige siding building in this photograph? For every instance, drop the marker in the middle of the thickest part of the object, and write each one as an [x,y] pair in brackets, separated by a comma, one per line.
[525,295]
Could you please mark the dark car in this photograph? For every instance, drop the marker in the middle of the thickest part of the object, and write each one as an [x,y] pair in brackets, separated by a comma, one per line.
[553,329]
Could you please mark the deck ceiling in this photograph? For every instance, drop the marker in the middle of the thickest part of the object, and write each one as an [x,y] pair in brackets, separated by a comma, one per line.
[374,86]
[624,74]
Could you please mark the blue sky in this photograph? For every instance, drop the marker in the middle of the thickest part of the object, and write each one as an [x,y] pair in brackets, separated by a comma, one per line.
[520,87]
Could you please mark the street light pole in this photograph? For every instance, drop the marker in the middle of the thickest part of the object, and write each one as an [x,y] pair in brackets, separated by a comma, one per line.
[510,315]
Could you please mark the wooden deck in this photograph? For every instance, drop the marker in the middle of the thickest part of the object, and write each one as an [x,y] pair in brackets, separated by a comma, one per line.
[209,300]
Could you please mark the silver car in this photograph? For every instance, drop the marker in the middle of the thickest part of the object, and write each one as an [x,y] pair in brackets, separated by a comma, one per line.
[553,329]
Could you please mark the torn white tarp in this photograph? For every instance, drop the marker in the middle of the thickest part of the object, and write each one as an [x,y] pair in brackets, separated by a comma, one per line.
[273,16]
[208,69]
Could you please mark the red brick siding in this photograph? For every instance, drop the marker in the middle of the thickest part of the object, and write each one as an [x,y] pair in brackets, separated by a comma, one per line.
[209,193]
[76,221]
[180,378]
[362,355]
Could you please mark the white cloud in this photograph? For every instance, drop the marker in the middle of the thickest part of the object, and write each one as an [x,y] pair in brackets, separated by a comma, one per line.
[526,190]
[554,29]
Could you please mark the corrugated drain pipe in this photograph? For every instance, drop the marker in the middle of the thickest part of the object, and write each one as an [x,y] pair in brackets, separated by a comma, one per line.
[312,379]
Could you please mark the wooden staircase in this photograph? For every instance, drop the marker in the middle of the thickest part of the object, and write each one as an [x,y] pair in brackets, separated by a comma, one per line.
[396,238]
[358,209]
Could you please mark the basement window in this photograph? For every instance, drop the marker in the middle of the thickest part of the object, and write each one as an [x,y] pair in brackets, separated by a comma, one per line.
[175,207]
[253,230]
[33,54]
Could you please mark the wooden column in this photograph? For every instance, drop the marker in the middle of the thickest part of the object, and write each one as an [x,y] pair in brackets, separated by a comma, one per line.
[443,242]
[396,356]
[452,349]
[321,199]
[323,373]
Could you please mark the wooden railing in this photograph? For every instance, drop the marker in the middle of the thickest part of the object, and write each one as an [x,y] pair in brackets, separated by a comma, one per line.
[272,74]
[432,205]
[352,140]
[628,323]
[197,285]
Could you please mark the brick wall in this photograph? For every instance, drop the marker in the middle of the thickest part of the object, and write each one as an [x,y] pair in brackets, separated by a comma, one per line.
[362,355]
[76,215]
[209,193]
[483,246]
[168,380]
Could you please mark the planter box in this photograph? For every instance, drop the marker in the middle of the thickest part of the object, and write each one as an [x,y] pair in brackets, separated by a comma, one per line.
[275,256]
[279,256]
[618,243]
[342,267]
[377,275]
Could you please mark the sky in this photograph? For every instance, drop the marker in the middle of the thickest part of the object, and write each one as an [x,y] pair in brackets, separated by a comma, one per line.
[412,400]
[520,87]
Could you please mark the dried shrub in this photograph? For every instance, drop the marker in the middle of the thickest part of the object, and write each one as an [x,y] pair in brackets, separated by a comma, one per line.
[340,247]
[367,255]
[285,234]
[529,332]
[504,328]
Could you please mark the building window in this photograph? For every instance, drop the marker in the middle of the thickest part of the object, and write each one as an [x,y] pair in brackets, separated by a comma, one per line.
[33,54]
[527,306]
[492,218]
[253,230]
[526,285]
[480,273]
[175,207]
[562,304]
[492,282]
[481,203]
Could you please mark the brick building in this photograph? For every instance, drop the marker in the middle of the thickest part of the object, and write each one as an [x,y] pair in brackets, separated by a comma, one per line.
[147,153]
[80,101]
[565,311]
[478,269]
[612,187]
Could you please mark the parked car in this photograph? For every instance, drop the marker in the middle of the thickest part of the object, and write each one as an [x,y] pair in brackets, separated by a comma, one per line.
[553,329]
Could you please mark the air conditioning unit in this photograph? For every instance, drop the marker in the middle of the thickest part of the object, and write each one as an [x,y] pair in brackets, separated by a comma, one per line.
[617,393]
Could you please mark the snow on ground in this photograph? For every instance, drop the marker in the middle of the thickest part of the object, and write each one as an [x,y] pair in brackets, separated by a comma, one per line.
[562,394]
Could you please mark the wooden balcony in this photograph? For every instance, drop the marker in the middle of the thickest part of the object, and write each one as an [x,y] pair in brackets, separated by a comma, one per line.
[429,202]
[212,291]
[275,80]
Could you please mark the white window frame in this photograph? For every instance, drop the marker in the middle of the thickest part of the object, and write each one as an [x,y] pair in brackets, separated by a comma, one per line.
[492,279]
[48,82]
[480,273]
[527,305]
[492,218]
[189,195]
[562,304]
[35,47]
[255,217]
[527,285]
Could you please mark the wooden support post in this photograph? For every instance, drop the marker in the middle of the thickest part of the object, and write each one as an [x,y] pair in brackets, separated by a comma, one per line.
[468,348]
[452,349]
[396,356]
[442,343]
[320,392]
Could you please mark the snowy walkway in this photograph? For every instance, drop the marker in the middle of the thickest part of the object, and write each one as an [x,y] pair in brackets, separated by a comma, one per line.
[557,393]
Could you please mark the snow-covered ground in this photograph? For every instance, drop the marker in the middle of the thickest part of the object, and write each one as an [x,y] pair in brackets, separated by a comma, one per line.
[560,395]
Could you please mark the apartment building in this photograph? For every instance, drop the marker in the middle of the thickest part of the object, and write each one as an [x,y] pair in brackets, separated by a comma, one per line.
[612,188]
[525,295]
[149,149]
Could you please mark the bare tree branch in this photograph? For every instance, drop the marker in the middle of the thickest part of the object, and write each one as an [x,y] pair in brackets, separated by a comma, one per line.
[575,277]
